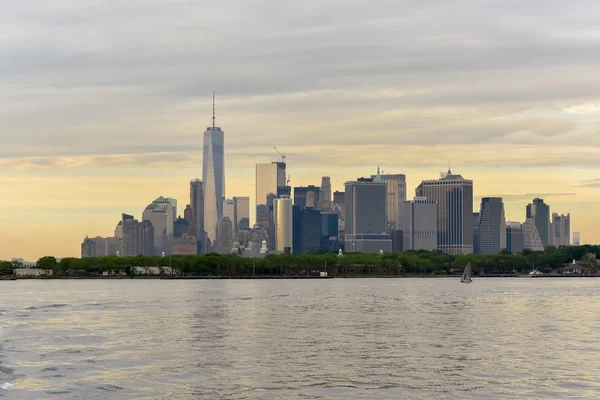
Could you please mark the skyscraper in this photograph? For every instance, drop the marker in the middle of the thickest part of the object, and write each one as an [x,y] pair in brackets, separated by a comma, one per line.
[130,237]
[167,205]
[266,183]
[225,235]
[514,237]
[282,212]
[476,221]
[366,219]
[454,196]
[576,239]
[307,196]
[145,244]
[241,213]
[540,212]
[492,226]
[561,229]
[307,230]
[531,236]
[213,178]
[228,209]
[157,216]
[325,194]
[420,224]
[197,205]
[396,196]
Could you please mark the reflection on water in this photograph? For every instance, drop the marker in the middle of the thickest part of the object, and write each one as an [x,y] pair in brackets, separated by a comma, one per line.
[330,339]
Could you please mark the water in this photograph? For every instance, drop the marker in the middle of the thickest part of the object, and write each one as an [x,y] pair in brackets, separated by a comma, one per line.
[326,339]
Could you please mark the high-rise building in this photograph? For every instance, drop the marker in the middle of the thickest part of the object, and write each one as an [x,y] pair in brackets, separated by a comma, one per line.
[576,239]
[339,198]
[188,215]
[396,196]
[306,225]
[454,197]
[228,209]
[225,235]
[173,203]
[492,226]
[531,236]
[241,213]
[167,205]
[561,229]
[158,217]
[185,245]
[514,237]
[476,221]
[130,237]
[365,215]
[540,212]
[266,183]
[325,194]
[307,196]
[213,179]
[145,237]
[420,226]
[329,231]
[88,248]
[118,235]
[197,205]
[283,221]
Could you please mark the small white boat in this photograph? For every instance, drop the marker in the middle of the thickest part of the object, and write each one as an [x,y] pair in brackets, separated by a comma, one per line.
[466,275]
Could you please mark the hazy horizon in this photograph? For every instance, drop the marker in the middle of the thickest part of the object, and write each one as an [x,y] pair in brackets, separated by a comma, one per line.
[102,108]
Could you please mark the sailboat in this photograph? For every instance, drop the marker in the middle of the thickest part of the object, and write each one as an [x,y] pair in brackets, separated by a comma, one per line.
[466,275]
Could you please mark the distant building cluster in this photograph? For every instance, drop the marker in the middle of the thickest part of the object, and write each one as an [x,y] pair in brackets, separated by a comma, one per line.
[371,215]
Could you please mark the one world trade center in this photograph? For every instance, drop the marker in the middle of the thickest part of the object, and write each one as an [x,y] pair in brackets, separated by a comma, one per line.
[213,176]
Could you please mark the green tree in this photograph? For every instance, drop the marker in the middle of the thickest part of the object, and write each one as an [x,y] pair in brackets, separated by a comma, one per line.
[47,262]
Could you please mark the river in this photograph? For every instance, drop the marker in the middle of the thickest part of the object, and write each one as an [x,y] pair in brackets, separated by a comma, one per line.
[300,339]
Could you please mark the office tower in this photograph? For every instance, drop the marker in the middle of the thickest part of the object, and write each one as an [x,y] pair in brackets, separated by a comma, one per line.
[476,221]
[225,235]
[241,213]
[396,196]
[188,215]
[492,226]
[213,179]
[228,209]
[130,237]
[531,236]
[282,213]
[181,227]
[173,203]
[514,237]
[145,237]
[325,194]
[118,235]
[366,219]
[307,196]
[167,205]
[454,197]
[329,231]
[306,225]
[197,205]
[339,198]
[420,225]
[158,217]
[576,239]
[561,229]
[88,248]
[540,212]
[266,183]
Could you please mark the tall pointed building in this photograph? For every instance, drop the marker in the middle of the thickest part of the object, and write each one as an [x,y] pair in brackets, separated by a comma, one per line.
[213,178]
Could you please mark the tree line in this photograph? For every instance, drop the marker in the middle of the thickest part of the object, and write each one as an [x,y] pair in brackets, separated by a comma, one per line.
[350,264]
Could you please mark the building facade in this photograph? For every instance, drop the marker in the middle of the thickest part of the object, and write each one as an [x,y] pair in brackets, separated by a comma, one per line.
[540,212]
[514,237]
[492,226]
[197,206]
[531,236]
[241,213]
[396,196]
[365,204]
[225,235]
[420,224]
[476,221]
[265,184]
[561,229]
[213,179]
[283,221]
[145,238]
[306,230]
[454,197]
[576,239]
[307,196]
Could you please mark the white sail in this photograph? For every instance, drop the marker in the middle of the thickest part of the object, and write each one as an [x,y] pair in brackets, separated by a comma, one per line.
[466,275]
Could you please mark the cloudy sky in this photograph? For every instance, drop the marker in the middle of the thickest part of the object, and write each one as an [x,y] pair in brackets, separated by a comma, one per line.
[103,103]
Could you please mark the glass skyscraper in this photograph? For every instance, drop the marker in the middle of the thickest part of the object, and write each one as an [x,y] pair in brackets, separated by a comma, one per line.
[213,179]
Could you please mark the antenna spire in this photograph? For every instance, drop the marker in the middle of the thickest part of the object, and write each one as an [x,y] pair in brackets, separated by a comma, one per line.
[213,109]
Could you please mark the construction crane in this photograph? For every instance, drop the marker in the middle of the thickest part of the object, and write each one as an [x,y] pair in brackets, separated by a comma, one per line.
[282,155]
[288,181]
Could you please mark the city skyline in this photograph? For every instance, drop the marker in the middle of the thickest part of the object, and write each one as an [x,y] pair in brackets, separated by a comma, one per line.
[90,131]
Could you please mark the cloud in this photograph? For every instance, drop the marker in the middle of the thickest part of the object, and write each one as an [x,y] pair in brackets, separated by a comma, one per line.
[592,183]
